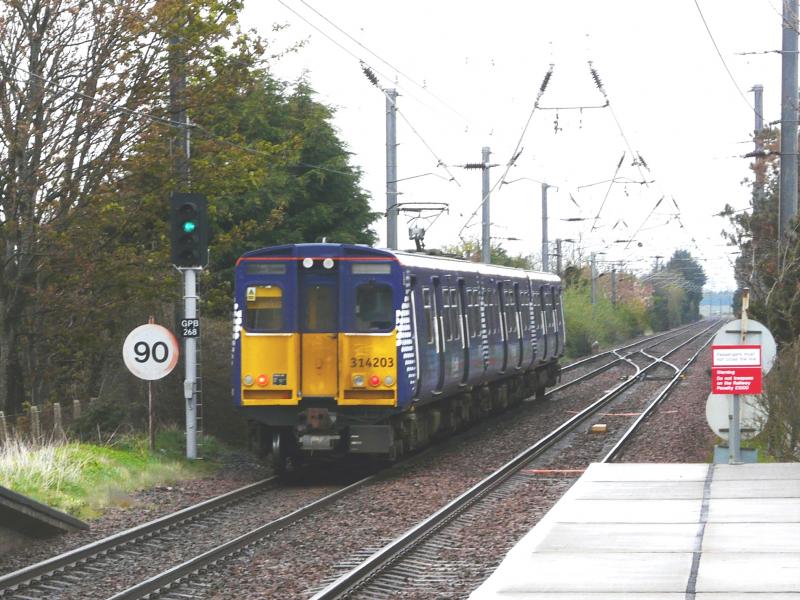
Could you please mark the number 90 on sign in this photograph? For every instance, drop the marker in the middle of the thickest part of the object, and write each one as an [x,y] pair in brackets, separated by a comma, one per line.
[150,352]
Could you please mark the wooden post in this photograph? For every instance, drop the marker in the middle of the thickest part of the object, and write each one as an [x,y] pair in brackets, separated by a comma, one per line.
[58,427]
[3,427]
[36,424]
[76,410]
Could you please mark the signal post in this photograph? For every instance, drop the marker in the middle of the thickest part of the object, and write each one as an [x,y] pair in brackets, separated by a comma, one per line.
[189,244]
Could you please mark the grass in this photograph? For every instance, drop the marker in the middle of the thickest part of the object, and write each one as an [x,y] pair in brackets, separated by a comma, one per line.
[84,479]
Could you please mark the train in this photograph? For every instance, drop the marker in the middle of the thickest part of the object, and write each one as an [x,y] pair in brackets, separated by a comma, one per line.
[345,349]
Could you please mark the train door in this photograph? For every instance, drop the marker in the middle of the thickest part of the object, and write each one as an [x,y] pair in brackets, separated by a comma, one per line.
[319,326]
[438,333]
[545,317]
[517,316]
[462,305]
[503,301]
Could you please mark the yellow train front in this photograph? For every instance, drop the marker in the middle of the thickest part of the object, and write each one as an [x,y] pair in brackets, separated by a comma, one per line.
[348,349]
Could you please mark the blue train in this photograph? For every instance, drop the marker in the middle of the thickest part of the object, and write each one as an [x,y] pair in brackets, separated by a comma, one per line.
[344,348]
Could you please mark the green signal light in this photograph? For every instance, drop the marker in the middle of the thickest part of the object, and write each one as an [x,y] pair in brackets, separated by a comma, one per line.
[189,226]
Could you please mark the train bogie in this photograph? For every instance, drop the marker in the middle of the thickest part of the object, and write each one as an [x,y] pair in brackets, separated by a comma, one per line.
[347,349]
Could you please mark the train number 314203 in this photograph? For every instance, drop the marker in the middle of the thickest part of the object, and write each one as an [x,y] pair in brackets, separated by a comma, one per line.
[376,361]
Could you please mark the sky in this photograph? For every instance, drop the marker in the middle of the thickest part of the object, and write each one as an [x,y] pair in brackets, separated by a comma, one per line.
[468,75]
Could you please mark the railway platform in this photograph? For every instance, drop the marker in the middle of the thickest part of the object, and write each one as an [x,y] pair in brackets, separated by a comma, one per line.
[23,519]
[662,532]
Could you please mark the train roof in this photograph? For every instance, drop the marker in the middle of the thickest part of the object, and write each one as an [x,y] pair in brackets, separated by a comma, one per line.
[428,261]
[409,259]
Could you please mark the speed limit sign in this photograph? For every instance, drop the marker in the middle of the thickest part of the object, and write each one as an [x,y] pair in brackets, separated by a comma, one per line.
[150,351]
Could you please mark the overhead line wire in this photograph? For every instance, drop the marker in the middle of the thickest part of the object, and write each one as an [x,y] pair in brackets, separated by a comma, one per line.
[722,59]
[386,62]
[517,151]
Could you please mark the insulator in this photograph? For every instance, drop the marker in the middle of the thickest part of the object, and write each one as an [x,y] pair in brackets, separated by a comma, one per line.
[641,160]
[370,75]
[546,80]
[473,166]
[621,158]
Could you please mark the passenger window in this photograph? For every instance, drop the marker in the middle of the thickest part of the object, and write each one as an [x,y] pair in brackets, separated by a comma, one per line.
[446,314]
[264,311]
[455,313]
[511,312]
[474,314]
[373,308]
[320,313]
[428,310]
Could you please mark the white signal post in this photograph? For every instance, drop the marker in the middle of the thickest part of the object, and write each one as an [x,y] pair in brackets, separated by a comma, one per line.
[190,361]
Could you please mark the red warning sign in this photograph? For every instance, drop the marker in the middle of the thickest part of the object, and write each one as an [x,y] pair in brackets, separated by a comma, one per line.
[736,370]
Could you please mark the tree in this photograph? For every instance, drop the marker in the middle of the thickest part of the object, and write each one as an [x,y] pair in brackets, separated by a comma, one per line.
[694,278]
[274,170]
[471,250]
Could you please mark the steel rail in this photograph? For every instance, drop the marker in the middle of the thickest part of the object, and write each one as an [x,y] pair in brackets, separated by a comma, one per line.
[174,575]
[361,574]
[21,577]
[619,358]
[617,449]
[581,362]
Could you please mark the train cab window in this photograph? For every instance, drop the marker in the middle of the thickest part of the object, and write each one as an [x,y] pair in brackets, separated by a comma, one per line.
[264,308]
[427,308]
[374,311]
[320,310]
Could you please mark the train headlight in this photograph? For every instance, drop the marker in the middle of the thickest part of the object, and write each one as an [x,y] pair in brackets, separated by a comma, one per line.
[262,380]
[308,262]
[328,263]
[374,381]
[358,381]
[247,380]
[388,381]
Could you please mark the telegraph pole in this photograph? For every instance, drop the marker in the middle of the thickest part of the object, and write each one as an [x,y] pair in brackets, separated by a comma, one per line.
[614,285]
[558,257]
[391,169]
[758,184]
[789,114]
[486,251]
[545,243]
[593,269]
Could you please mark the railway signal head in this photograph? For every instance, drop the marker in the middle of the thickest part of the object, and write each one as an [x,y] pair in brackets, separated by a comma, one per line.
[189,229]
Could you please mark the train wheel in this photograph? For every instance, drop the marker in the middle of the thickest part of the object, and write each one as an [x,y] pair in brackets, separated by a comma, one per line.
[283,458]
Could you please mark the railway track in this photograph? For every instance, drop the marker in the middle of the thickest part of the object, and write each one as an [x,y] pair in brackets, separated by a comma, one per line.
[190,578]
[422,558]
[67,575]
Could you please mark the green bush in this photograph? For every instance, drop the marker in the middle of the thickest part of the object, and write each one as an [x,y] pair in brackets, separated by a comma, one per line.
[603,322]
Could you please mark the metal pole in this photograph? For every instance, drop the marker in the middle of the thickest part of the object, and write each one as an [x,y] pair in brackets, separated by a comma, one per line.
[758,184]
[558,257]
[735,450]
[789,114]
[486,252]
[545,243]
[391,169]
[594,277]
[190,362]
[613,285]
